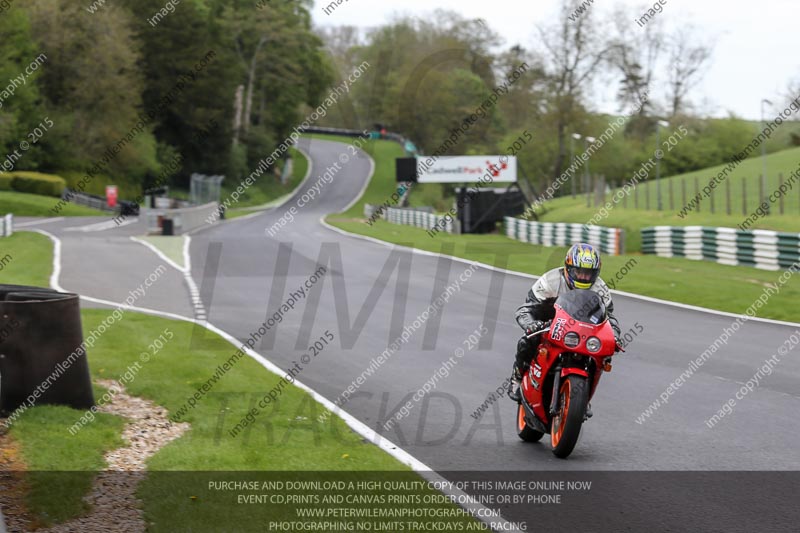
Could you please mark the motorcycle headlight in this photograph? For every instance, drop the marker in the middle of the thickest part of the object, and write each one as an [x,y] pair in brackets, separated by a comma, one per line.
[593,344]
[572,339]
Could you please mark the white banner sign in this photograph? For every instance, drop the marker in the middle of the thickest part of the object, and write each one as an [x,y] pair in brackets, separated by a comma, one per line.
[467,169]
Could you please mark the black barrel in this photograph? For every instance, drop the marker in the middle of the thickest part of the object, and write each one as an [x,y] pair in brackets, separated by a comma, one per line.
[42,357]
[167,227]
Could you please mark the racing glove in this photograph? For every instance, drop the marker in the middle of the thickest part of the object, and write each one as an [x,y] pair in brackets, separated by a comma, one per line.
[536,325]
[617,332]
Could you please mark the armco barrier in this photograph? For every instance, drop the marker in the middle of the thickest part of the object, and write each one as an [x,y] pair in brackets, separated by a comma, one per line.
[88,200]
[767,250]
[184,219]
[419,219]
[7,225]
[610,241]
[42,350]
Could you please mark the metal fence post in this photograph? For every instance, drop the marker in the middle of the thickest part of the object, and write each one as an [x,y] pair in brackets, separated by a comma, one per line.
[728,197]
[683,191]
[697,192]
[744,197]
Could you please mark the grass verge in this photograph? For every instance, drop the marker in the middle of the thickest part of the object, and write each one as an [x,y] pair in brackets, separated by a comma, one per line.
[287,438]
[383,183]
[25,259]
[268,190]
[699,283]
[34,205]
[567,209]
[679,280]
[61,466]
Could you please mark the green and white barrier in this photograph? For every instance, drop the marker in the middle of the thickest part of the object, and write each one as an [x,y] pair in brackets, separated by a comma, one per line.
[7,225]
[767,250]
[610,241]
[420,219]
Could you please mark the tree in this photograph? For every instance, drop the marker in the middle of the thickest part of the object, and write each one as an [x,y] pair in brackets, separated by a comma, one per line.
[196,122]
[525,103]
[635,52]
[91,85]
[19,111]
[426,77]
[574,52]
[688,60]
[281,65]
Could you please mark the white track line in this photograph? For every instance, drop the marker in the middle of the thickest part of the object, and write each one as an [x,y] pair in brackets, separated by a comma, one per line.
[37,222]
[530,276]
[197,302]
[159,253]
[356,425]
[103,226]
[185,269]
[56,274]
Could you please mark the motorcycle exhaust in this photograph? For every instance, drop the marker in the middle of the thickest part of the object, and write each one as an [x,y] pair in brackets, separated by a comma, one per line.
[532,419]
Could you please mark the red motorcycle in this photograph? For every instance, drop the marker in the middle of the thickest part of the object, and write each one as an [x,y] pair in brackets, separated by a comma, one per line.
[576,349]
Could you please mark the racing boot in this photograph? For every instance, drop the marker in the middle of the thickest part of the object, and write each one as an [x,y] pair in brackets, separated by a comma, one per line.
[514,385]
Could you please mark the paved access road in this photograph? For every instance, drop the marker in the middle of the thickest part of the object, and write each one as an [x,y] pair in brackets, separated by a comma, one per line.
[248,275]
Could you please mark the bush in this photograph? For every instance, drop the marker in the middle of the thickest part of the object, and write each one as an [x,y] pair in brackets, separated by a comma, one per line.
[6,181]
[97,184]
[38,183]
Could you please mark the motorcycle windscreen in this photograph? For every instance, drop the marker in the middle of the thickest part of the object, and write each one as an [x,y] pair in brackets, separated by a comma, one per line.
[583,306]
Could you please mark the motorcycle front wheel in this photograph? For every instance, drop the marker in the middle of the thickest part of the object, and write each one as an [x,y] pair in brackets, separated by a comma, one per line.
[566,426]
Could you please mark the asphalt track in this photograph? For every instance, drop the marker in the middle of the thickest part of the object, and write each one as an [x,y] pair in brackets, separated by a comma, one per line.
[245,276]
[761,434]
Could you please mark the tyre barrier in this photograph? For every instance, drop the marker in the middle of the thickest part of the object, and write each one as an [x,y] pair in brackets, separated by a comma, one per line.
[7,225]
[610,241]
[420,219]
[42,356]
[763,249]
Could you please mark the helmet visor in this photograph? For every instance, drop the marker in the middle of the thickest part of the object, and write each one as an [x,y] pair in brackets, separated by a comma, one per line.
[583,276]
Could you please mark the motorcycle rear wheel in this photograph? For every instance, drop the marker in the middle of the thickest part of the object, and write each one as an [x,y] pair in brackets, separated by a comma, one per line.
[525,432]
[566,425]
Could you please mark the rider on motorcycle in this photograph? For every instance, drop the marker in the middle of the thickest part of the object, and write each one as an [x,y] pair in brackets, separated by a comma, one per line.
[581,271]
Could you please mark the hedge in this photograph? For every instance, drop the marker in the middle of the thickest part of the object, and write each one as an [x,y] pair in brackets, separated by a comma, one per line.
[97,184]
[38,183]
[6,180]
